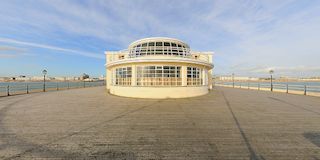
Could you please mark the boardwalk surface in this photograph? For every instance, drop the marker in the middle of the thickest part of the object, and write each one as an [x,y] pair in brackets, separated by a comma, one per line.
[225,124]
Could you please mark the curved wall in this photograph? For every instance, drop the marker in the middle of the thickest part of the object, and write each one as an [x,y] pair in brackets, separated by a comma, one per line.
[158,92]
[158,67]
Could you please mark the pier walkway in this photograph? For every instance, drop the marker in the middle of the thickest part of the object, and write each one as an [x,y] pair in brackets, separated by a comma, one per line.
[227,123]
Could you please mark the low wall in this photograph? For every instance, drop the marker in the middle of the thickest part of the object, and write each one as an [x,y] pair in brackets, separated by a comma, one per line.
[158,92]
[309,93]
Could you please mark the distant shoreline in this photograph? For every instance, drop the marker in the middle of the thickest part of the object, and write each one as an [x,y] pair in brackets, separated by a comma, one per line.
[51,81]
[274,80]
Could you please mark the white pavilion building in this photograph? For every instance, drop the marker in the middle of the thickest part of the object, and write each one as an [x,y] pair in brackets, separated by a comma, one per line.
[158,67]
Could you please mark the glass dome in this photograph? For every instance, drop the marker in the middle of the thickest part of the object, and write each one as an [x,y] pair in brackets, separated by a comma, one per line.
[159,46]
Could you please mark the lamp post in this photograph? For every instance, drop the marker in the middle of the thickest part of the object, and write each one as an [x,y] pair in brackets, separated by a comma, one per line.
[44,72]
[271,84]
[233,80]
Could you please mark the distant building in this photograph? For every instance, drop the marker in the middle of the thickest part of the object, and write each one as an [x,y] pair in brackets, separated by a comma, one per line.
[2,79]
[72,78]
[65,78]
[285,78]
[310,79]
[22,78]
[36,78]
[60,78]
[91,79]
[236,78]
[40,78]
[102,77]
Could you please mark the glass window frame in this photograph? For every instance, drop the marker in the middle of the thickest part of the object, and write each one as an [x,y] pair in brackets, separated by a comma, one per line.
[158,75]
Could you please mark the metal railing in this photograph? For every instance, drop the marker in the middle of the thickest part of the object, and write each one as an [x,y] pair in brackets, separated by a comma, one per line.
[9,89]
[160,49]
[127,54]
[305,89]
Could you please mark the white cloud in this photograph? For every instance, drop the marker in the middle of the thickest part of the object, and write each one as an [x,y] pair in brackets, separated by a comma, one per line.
[13,52]
[243,33]
[270,35]
[63,50]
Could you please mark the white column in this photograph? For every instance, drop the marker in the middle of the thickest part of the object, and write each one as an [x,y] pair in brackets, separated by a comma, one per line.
[133,75]
[108,78]
[113,76]
[210,79]
[184,75]
[204,75]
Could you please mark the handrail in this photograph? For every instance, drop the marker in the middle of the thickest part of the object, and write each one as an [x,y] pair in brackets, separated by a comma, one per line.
[165,51]
[8,89]
[287,87]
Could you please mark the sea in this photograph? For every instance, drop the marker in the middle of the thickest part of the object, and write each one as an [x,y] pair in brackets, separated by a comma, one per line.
[24,87]
[294,86]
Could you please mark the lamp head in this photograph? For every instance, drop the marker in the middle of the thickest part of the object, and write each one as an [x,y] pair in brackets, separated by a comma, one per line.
[271,71]
[44,72]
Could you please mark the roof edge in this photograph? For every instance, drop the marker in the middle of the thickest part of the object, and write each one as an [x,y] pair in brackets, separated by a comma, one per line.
[157,38]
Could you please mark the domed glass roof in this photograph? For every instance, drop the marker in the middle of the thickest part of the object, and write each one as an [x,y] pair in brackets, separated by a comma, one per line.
[159,46]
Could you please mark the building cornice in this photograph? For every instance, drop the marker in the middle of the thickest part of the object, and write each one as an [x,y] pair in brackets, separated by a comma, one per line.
[162,60]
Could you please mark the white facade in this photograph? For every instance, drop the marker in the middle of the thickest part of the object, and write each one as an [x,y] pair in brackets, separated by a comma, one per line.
[158,68]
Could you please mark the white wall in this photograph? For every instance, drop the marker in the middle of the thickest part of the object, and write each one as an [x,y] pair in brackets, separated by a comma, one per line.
[158,92]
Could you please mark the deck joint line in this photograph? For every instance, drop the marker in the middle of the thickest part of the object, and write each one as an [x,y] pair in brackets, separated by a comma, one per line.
[253,155]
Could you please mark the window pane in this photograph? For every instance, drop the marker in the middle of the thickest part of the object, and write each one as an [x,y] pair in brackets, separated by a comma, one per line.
[158,76]
[122,76]
[158,43]
[194,77]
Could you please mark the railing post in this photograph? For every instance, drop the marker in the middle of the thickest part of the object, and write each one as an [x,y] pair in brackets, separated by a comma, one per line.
[68,85]
[259,86]
[44,83]
[271,87]
[287,88]
[27,89]
[305,89]
[8,92]
[57,86]
[84,84]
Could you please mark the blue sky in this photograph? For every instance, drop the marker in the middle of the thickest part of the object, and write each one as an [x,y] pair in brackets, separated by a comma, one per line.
[249,37]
